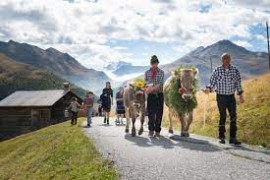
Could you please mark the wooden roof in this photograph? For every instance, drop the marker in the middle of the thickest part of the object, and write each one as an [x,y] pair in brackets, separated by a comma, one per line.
[33,98]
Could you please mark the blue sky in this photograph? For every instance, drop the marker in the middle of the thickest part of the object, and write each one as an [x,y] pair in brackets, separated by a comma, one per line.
[98,32]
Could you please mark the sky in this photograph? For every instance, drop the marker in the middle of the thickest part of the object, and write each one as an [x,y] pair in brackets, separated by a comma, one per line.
[99,32]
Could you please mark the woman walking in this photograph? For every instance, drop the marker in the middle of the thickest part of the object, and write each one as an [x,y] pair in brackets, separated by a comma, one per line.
[107,101]
[120,109]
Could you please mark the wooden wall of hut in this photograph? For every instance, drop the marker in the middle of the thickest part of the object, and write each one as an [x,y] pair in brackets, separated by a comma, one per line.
[58,109]
[18,120]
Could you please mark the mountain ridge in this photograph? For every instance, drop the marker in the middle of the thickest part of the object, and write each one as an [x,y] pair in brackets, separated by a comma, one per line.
[123,68]
[249,63]
[19,76]
[61,64]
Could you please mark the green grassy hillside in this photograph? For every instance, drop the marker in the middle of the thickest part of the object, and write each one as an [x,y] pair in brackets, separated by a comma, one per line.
[253,115]
[18,76]
[60,151]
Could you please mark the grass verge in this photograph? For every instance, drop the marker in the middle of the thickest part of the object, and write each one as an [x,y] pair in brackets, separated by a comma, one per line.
[253,116]
[60,151]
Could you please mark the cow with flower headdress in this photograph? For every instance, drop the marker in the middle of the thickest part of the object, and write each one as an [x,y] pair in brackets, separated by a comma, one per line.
[179,91]
[134,102]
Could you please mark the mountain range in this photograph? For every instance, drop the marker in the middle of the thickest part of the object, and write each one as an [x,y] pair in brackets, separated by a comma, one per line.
[249,63]
[19,76]
[60,64]
[20,61]
[121,68]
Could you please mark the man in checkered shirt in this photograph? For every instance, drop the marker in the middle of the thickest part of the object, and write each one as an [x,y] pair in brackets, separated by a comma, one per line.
[225,80]
[154,77]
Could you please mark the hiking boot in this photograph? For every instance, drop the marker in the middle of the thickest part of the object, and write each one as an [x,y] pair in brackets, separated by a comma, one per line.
[151,134]
[235,141]
[222,141]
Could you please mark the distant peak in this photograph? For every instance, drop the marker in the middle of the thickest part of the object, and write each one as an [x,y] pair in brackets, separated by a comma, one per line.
[123,63]
[198,49]
[51,49]
[224,41]
[12,42]
[227,44]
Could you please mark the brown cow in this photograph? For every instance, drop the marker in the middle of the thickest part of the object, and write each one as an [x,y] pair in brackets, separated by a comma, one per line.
[185,78]
[134,102]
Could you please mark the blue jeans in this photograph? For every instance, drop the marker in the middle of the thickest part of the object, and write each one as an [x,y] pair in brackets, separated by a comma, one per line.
[89,115]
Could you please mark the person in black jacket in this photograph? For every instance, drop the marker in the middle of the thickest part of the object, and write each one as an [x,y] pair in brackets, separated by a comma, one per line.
[107,100]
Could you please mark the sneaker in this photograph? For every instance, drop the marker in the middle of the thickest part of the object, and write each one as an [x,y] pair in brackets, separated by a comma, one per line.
[151,134]
[235,141]
[222,141]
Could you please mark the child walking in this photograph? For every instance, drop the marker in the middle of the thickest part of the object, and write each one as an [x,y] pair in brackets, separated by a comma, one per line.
[74,108]
[120,109]
[88,103]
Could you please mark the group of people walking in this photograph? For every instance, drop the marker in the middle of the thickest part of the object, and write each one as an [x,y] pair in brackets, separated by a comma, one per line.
[225,81]
[87,104]
[106,99]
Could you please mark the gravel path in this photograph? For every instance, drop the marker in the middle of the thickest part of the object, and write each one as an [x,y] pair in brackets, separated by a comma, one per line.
[197,157]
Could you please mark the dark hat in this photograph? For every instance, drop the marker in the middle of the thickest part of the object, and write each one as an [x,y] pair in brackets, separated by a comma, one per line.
[90,92]
[154,59]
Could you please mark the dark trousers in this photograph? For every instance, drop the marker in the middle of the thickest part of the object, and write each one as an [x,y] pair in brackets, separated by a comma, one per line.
[155,111]
[225,102]
[74,117]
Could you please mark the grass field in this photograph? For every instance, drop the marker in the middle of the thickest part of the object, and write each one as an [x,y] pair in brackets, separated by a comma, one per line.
[60,151]
[253,115]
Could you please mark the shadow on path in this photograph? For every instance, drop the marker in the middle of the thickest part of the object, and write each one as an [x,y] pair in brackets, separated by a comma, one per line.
[167,143]
[243,148]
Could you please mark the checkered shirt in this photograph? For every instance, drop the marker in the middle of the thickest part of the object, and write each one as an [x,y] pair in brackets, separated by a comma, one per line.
[226,82]
[159,79]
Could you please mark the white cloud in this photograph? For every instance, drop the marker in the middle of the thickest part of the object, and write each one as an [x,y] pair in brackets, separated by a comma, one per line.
[243,43]
[83,28]
[260,37]
[122,78]
[252,4]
